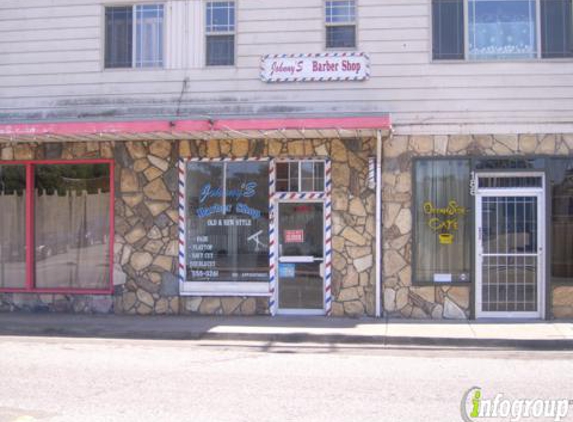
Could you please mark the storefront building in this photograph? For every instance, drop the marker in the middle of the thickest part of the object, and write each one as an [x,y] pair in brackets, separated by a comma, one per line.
[347,164]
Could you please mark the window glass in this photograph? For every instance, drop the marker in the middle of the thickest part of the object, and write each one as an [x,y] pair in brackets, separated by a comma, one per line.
[118,37]
[220,42]
[340,11]
[556,28]
[340,24]
[442,221]
[300,176]
[448,29]
[562,220]
[12,226]
[121,50]
[221,16]
[227,221]
[340,37]
[502,29]
[149,36]
[71,226]
[220,50]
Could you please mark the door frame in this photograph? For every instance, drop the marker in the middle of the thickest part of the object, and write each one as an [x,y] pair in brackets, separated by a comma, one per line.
[540,194]
[296,311]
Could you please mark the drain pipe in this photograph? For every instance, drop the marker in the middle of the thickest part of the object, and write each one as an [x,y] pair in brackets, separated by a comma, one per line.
[379,154]
[378,223]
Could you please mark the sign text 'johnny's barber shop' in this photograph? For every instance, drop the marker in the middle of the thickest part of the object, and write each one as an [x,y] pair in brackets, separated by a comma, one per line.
[323,67]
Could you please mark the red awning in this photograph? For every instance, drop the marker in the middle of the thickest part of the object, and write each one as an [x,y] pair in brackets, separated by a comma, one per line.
[290,128]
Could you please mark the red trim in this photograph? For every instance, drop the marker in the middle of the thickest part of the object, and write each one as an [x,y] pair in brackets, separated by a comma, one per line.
[111,222]
[30,224]
[30,274]
[152,126]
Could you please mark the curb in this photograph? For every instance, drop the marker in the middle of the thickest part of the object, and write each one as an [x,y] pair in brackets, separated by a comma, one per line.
[297,337]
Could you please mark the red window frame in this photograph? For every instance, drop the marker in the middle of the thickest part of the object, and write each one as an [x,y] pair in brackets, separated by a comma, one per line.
[30,261]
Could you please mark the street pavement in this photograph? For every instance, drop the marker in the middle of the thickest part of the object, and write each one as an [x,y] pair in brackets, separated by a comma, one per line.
[57,379]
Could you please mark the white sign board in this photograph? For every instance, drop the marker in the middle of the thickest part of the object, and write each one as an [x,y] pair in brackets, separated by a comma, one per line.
[324,67]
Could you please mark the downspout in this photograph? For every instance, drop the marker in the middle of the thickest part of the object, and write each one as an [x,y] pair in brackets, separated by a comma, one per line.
[379,154]
[378,223]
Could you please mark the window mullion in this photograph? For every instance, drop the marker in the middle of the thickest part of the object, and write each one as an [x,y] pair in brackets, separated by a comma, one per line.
[134,37]
[466,29]
[538,28]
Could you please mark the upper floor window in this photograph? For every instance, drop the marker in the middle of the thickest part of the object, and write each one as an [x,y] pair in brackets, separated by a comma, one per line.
[134,36]
[502,29]
[220,30]
[341,24]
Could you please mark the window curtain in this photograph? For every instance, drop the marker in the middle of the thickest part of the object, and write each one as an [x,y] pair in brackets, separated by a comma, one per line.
[71,227]
[442,221]
[12,227]
[149,36]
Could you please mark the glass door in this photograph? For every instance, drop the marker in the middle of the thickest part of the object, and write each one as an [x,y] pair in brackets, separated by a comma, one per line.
[510,276]
[301,258]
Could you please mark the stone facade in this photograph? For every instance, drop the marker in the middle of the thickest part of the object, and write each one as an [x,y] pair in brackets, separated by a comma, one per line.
[146,231]
[400,297]
[146,215]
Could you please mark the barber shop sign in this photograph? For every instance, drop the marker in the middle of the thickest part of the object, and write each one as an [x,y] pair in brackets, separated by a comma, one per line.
[324,67]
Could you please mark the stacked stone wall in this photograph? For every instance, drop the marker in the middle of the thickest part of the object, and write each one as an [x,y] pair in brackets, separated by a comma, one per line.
[146,225]
[400,297]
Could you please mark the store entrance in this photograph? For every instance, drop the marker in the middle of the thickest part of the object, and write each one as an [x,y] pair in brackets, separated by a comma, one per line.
[510,246]
[301,258]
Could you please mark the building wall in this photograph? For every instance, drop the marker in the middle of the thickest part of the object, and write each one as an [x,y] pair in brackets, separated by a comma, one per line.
[401,298]
[146,225]
[51,56]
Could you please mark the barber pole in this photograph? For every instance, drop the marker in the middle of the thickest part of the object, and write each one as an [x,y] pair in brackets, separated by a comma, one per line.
[182,272]
[328,239]
[272,241]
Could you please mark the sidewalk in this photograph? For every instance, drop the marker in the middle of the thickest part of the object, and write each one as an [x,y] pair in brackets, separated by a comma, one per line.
[538,335]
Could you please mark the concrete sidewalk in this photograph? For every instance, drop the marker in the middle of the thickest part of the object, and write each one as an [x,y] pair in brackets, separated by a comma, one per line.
[538,335]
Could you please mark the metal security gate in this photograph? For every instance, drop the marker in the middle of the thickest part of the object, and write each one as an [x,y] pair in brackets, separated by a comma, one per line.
[510,276]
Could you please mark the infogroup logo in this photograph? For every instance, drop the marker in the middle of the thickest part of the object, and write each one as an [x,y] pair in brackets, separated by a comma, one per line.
[475,407]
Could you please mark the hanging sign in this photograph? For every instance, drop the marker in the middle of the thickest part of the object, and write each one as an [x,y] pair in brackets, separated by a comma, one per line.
[322,67]
[294,236]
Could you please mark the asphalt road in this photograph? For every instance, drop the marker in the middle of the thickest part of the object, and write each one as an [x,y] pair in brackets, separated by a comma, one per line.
[55,379]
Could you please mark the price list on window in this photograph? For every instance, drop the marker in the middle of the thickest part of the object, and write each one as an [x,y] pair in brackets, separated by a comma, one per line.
[203,258]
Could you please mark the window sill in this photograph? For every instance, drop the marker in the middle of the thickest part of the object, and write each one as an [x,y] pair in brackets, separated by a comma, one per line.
[248,288]
[438,284]
[335,49]
[131,69]
[59,291]
[504,61]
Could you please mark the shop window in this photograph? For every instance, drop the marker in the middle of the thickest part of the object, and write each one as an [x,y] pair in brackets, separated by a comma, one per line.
[562,220]
[227,222]
[12,226]
[220,29]
[340,24]
[501,29]
[61,213]
[134,36]
[300,176]
[442,221]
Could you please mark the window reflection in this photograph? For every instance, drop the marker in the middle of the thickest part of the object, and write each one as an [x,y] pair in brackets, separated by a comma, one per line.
[12,226]
[71,232]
